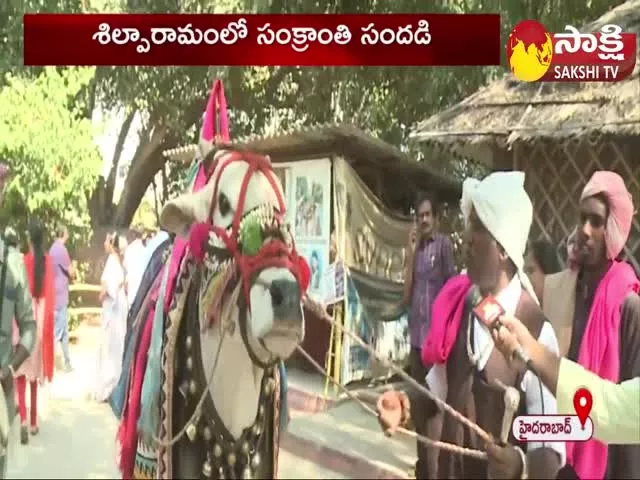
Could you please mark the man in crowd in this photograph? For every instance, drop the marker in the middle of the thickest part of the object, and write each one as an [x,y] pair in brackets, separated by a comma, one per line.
[15,302]
[63,273]
[468,372]
[429,265]
[595,310]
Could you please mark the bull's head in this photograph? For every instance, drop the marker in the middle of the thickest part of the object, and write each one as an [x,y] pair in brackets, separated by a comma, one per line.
[248,249]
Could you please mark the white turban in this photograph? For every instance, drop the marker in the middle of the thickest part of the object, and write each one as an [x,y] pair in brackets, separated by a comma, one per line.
[504,208]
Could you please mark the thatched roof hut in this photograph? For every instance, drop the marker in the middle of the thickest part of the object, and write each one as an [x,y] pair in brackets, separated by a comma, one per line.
[558,133]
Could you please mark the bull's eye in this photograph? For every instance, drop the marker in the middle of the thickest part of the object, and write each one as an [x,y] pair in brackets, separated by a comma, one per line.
[224,205]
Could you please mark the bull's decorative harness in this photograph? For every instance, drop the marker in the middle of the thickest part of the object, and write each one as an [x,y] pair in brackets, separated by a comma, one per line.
[226,456]
[275,253]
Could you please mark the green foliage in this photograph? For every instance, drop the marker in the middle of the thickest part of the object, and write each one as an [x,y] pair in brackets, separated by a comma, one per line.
[145,216]
[49,147]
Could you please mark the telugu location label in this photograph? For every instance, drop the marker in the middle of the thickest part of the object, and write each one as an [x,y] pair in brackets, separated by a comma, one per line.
[558,428]
[551,428]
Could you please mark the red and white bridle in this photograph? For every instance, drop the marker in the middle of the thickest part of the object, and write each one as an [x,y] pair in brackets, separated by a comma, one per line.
[275,252]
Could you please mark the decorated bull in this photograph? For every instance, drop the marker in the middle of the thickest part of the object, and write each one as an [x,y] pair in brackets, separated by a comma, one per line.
[220,307]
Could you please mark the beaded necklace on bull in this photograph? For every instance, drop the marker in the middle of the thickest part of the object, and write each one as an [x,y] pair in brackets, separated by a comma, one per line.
[252,256]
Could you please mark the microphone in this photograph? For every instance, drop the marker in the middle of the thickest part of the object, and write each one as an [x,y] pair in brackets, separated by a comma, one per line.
[489,311]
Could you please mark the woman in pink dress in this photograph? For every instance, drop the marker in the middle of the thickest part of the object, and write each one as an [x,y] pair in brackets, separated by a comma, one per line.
[39,366]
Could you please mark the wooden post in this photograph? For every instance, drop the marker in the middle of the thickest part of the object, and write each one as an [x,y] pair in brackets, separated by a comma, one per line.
[338,316]
[334,353]
[516,156]
[329,361]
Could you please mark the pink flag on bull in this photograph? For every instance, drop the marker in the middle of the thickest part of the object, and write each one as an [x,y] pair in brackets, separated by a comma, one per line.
[209,132]
[208,135]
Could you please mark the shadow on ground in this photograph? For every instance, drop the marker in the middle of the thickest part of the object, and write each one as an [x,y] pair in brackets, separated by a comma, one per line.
[76,440]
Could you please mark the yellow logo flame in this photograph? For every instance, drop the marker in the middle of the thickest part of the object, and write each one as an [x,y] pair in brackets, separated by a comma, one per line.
[530,64]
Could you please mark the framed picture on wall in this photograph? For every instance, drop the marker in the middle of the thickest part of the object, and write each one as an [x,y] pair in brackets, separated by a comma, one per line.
[284,175]
[317,256]
[311,188]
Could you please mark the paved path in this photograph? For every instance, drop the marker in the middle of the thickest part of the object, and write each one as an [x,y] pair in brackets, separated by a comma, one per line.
[77,436]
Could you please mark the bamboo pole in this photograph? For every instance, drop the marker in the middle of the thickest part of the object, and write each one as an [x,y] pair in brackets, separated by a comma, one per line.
[329,363]
[338,316]
[84,287]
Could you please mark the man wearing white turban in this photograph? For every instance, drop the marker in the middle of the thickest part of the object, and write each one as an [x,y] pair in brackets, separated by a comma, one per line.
[467,368]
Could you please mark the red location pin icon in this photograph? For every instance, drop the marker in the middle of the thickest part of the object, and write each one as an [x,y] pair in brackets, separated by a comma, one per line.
[583,402]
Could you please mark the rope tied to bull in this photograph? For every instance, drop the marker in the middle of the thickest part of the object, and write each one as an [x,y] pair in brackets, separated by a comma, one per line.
[421,388]
[427,441]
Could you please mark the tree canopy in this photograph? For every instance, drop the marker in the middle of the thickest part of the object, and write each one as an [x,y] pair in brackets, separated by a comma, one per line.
[48,143]
[385,101]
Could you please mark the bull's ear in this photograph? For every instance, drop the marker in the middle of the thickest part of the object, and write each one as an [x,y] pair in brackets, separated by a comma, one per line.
[180,213]
[177,215]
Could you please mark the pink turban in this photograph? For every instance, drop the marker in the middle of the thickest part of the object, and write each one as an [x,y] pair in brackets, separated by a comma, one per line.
[611,185]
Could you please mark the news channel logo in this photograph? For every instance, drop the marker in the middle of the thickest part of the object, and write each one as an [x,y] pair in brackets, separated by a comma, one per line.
[535,54]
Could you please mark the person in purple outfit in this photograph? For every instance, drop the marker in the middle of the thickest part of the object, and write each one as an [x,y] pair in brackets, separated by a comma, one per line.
[429,264]
[63,274]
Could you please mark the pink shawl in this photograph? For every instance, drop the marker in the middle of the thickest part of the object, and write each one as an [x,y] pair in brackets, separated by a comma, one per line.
[446,314]
[600,353]
[180,247]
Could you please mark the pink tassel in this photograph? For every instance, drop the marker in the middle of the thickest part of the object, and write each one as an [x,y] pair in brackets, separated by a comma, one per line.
[208,125]
[198,236]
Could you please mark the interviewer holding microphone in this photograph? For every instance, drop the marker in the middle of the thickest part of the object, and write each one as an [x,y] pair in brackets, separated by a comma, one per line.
[616,407]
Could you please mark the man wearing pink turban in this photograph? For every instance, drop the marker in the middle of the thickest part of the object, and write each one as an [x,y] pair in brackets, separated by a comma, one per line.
[598,324]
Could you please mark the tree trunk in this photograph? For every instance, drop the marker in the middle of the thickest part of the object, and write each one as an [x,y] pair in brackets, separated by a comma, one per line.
[147,161]
[117,153]
[101,206]
[156,206]
[136,185]
[165,184]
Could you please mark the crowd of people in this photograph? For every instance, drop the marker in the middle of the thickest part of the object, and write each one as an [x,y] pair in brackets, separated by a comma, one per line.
[48,275]
[34,316]
[127,259]
[579,323]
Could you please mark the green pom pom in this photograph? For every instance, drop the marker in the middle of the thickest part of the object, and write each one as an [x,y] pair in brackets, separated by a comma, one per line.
[251,238]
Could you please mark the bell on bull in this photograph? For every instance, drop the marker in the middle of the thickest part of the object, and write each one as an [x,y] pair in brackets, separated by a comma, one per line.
[231,297]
